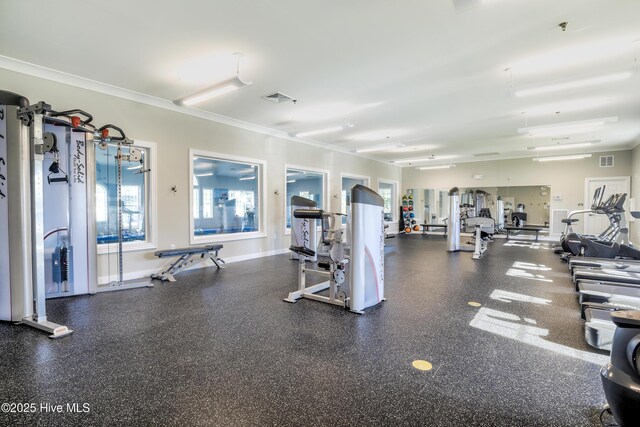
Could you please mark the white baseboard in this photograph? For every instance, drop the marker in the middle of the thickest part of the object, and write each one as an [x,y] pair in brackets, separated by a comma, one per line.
[103,280]
[255,255]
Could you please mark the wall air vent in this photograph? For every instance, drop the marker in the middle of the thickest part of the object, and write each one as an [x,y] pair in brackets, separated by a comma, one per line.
[278,98]
[606,161]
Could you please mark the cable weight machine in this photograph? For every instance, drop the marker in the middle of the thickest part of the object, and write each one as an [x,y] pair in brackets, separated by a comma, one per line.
[125,152]
[35,139]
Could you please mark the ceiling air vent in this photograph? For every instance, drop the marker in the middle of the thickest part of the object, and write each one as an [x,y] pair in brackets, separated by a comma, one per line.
[278,98]
[606,161]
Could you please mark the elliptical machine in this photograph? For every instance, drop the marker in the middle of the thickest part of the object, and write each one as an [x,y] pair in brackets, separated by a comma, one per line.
[621,377]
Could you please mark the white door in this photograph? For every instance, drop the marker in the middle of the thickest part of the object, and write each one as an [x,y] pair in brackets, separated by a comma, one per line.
[597,223]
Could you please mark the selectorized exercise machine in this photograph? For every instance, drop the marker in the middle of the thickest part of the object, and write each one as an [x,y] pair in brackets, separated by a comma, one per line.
[47,226]
[480,226]
[354,273]
[302,234]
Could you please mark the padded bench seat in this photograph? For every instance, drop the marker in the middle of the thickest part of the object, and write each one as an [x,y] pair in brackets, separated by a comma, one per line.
[535,229]
[186,258]
[428,227]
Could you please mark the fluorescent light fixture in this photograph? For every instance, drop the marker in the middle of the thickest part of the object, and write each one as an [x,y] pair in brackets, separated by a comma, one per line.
[291,181]
[564,146]
[577,55]
[422,159]
[319,131]
[567,128]
[329,111]
[414,148]
[246,178]
[383,147]
[426,168]
[378,134]
[132,168]
[217,89]
[557,158]
[205,174]
[574,84]
[566,106]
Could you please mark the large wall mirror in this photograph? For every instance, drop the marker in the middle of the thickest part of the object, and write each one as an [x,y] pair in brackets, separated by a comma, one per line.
[432,205]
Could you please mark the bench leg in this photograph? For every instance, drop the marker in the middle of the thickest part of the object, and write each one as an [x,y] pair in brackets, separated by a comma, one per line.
[216,260]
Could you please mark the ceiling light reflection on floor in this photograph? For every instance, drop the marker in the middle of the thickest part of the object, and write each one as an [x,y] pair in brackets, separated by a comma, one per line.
[514,272]
[530,266]
[508,297]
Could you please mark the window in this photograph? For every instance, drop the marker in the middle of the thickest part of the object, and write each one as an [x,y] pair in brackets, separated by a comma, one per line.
[102,203]
[388,192]
[207,203]
[196,202]
[304,183]
[136,190]
[348,182]
[227,198]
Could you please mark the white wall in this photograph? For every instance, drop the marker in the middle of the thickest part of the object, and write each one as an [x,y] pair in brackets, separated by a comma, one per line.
[566,178]
[174,134]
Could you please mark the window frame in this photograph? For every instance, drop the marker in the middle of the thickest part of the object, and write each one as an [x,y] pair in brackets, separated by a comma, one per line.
[343,175]
[394,198]
[262,199]
[325,193]
[151,211]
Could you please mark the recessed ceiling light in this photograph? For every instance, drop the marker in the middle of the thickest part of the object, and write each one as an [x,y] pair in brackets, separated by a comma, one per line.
[573,84]
[246,178]
[557,158]
[204,174]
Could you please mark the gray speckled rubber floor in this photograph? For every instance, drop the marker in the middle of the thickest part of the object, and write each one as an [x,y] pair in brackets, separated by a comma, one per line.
[221,348]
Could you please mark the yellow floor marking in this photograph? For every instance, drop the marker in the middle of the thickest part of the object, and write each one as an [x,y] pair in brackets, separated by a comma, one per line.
[422,365]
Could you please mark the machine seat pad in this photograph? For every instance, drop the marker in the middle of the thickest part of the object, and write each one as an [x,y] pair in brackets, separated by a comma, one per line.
[569,220]
[525,228]
[302,250]
[188,251]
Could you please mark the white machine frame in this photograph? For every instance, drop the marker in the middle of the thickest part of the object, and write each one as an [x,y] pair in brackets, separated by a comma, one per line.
[362,270]
[453,237]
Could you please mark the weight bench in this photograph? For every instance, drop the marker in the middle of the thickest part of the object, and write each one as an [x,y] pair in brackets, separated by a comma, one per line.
[509,229]
[427,227]
[186,258]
